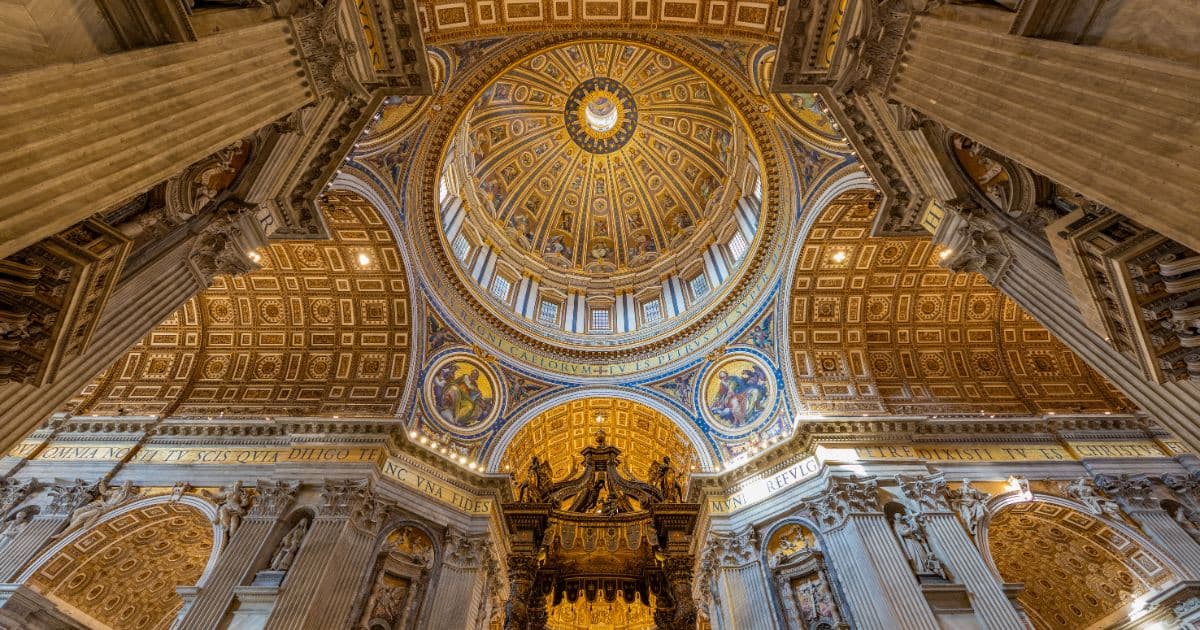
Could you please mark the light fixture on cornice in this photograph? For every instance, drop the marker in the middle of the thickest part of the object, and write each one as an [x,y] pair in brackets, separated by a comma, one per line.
[254,256]
[945,253]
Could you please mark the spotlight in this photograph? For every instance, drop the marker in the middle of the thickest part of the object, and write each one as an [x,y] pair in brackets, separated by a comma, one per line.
[363,260]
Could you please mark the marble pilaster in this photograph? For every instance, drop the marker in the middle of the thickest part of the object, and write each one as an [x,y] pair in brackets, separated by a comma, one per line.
[953,546]
[879,585]
[240,555]
[1057,109]
[462,583]
[84,137]
[739,581]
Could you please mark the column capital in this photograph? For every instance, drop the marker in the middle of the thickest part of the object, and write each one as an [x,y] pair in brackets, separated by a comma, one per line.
[223,245]
[67,497]
[843,497]
[472,552]
[326,54]
[974,240]
[341,498]
[928,492]
[731,549]
[274,498]
[14,491]
[1186,487]
[1132,492]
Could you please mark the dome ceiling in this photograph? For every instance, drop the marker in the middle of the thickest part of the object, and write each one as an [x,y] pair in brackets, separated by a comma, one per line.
[597,157]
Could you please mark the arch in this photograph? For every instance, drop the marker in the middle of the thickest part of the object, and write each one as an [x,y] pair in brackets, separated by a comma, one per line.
[1078,569]
[403,570]
[771,558]
[698,442]
[123,571]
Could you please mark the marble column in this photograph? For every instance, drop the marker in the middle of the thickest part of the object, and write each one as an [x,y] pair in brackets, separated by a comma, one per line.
[139,303]
[1136,496]
[733,561]
[880,588]
[240,556]
[462,583]
[34,536]
[953,547]
[1064,111]
[300,596]
[1037,285]
[76,139]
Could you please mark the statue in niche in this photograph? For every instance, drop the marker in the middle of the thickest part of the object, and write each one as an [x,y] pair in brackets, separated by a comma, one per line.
[233,504]
[106,498]
[971,504]
[791,543]
[911,532]
[289,546]
[537,482]
[663,476]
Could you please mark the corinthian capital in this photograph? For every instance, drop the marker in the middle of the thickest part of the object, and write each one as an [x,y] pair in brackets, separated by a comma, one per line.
[65,498]
[274,497]
[223,246]
[326,55]
[14,491]
[471,552]
[845,496]
[734,549]
[342,497]
[927,492]
[1133,492]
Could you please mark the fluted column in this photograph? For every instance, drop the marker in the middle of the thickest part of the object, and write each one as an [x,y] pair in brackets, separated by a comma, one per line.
[244,549]
[33,537]
[863,552]
[462,583]
[740,581]
[318,554]
[76,139]
[139,303]
[1077,114]
[1136,495]
[953,546]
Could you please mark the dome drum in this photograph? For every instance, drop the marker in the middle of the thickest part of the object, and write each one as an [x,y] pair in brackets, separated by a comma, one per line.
[600,188]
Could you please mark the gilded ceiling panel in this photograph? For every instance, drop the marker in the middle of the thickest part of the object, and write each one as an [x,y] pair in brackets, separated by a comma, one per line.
[878,326]
[1076,570]
[123,572]
[322,328]
[558,434]
[450,20]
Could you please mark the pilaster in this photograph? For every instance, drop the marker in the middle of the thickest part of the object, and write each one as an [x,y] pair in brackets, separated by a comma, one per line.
[954,547]
[65,498]
[243,551]
[1137,497]
[879,585]
[461,583]
[734,560]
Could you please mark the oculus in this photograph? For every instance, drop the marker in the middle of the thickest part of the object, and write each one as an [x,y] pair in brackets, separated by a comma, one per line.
[600,115]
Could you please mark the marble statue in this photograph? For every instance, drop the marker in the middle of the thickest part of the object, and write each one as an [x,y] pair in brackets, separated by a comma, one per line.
[289,546]
[106,498]
[233,503]
[664,477]
[971,504]
[915,544]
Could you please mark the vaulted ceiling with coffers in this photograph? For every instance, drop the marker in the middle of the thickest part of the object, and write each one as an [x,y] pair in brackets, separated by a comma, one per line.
[323,328]
[558,434]
[1076,570]
[124,571]
[451,20]
[878,326]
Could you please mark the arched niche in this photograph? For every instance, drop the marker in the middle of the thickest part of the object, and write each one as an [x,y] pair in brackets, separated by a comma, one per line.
[123,571]
[801,578]
[1078,571]
[400,579]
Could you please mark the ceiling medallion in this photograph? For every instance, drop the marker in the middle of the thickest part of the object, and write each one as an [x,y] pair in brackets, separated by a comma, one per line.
[600,115]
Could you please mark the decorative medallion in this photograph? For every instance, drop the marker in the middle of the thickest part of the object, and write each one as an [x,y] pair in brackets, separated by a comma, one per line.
[600,115]
[737,392]
[462,393]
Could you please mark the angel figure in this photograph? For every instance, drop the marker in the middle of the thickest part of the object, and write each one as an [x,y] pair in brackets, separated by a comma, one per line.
[663,476]
[233,503]
[971,504]
[106,498]
[537,482]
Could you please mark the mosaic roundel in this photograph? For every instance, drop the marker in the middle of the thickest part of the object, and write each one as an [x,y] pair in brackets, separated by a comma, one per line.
[461,392]
[737,393]
[600,115]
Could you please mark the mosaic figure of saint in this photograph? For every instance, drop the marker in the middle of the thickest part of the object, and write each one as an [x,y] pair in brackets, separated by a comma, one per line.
[741,397]
[459,396]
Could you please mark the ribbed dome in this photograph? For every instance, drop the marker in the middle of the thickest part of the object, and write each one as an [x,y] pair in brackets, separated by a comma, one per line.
[597,157]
